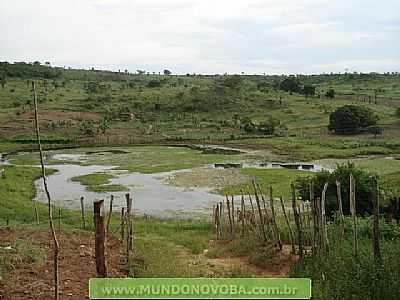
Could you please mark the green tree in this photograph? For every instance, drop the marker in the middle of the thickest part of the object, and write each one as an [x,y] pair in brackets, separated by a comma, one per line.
[291,85]
[308,90]
[330,93]
[350,119]
[167,72]
[342,174]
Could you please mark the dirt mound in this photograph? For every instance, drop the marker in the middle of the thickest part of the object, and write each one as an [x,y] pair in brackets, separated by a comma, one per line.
[76,263]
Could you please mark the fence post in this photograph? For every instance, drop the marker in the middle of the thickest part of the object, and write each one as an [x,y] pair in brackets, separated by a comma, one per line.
[289,227]
[83,214]
[264,235]
[324,233]
[277,235]
[110,213]
[122,223]
[243,209]
[229,215]
[375,231]
[353,213]
[100,241]
[297,221]
[341,215]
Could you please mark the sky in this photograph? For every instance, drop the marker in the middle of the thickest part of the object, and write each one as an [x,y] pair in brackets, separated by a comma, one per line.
[205,36]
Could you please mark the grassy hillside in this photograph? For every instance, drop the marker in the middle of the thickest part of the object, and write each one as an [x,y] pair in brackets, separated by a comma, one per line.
[126,108]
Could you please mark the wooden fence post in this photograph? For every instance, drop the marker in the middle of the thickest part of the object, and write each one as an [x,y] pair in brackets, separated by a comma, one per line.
[83,214]
[233,213]
[100,242]
[122,223]
[262,227]
[276,229]
[341,215]
[353,211]
[297,221]
[324,232]
[243,211]
[375,231]
[129,241]
[289,227]
[228,206]
[110,213]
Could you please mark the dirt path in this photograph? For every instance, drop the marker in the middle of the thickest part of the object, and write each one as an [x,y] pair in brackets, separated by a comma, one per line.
[283,262]
[77,265]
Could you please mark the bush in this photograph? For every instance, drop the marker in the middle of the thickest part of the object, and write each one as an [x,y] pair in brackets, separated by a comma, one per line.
[342,174]
[330,93]
[350,119]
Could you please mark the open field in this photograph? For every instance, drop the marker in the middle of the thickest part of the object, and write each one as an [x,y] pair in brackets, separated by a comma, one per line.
[152,125]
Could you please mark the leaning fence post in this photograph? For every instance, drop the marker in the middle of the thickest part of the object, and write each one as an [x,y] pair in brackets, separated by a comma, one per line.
[289,227]
[353,214]
[100,241]
[110,213]
[324,235]
[229,215]
[243,211]
[277,235]
[375,231]
[264,235]
[297,221]
[83,214]
[341,215]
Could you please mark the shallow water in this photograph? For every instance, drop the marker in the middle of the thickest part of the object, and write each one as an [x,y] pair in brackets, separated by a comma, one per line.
[150,195]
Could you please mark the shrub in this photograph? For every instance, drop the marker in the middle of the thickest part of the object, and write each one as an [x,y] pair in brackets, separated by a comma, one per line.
[330,93]
[350,119]
[342,174]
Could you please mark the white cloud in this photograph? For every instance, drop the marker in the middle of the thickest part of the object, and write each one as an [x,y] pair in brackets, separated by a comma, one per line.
[212,36]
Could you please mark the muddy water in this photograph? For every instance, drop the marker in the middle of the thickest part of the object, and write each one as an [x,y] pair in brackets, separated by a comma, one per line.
[151,196]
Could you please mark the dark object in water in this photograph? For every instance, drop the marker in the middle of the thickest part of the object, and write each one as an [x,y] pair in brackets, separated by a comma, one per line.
[107,151]
[290,166]
[228,165]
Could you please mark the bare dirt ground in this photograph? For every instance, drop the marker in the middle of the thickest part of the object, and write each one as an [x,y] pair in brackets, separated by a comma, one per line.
[76,263]
[284,262]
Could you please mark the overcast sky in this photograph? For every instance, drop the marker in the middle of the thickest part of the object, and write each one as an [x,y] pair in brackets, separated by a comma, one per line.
[205,36]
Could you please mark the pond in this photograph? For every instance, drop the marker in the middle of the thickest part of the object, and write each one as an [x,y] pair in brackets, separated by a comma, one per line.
[152,194]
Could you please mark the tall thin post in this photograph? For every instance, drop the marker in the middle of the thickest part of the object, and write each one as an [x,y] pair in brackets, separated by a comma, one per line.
[324,235]
[289,227]
[297,221]
[83,214]
[376,235]
[122,223]
[110,213]
[228,206]
[100,241]
[262,227]
[341,215]
[277,235]
[56,246]
[243,211]
[353,212]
